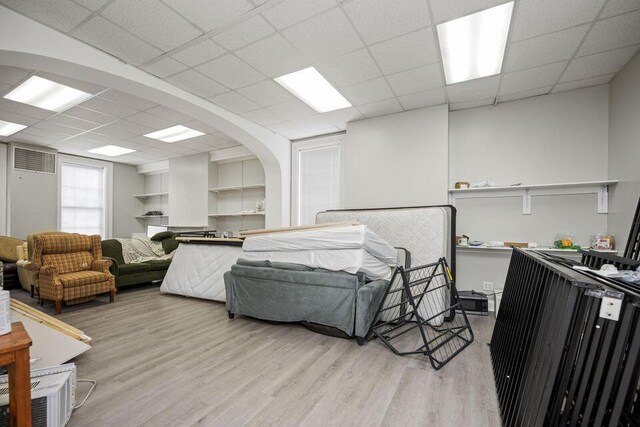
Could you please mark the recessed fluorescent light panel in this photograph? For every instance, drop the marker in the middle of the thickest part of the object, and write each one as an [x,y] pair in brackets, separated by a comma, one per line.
[8,128]
[111,150]
[314,90]
[473,46]
[174,134]
[43,93]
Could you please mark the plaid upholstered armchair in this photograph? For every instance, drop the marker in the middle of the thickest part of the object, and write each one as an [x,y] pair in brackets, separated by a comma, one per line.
[71,269]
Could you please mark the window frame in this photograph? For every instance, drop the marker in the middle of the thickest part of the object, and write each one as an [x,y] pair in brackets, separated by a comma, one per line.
[309,145]
[108,188]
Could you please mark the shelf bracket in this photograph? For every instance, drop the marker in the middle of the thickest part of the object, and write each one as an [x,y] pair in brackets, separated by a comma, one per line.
[526,202]
[603,199]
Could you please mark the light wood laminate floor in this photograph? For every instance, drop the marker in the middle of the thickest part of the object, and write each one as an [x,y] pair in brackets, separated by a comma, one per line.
[165,360]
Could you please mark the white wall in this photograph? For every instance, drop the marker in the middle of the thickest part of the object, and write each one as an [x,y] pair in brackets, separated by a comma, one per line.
[396,160]
[188,190]
[548,139]
[3,189]
[554,138]
[624,149]
[126,183]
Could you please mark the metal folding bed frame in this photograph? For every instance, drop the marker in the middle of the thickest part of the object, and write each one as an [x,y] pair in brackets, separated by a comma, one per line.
[566,346]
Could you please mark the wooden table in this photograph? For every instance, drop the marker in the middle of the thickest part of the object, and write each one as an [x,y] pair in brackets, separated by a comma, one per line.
[14,354]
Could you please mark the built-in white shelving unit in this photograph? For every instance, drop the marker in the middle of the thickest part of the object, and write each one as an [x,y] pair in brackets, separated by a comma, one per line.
[527,191]
[149,195]
[154,198]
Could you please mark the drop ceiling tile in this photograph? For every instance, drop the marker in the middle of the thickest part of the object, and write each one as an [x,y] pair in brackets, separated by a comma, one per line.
[63,15]
[89,115]
[230,71]
[290,12]
[446,10]
[474,89]
[165,67]
[60,129]
[380,108]
[168,114]
[405,52]
[4,88]
[526,94]
[132,128]
[266,93]
[105,106]
[533,78]
[312,123]
[10,116]
[273,56]
[416,80]
[470,104]
[196,83]
[262,117]
[209,14]
[244,33]
[598,64]
[378,20]
[73,122]
[423,99]
[24,109]
[577,84]
[152,21]
[343,116]
[192,144]
[612,33]
[12,76]
[286,129]
[210,140]
[535,17]
[367,92]
[71,82]
[544,49]
[91,4]
[112,39]
[154,122]
[235,102]
[132,101]
[616,7]
[199,53]
[113,132]
[324,36]
[202,127]
[349,69]
[292,110]
[49,135]
[28,139]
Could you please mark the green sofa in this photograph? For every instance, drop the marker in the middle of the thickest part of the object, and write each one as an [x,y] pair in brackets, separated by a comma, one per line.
[132,274]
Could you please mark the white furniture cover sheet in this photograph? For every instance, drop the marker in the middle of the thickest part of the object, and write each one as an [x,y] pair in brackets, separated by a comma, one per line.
[197,270]
[347,237]
[348,260]
[423,231]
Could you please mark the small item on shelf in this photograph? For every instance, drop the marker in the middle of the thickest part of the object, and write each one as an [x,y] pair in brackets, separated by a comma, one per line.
[495,244]
[153,213]
[462,240]
[260,205]
[516,245]
[476,243]
[462,184]
[602,241]
[533,245]
[484,184]
[565,241]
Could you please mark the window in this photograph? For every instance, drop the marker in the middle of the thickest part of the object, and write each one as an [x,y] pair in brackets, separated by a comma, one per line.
[84,196]
[316,178]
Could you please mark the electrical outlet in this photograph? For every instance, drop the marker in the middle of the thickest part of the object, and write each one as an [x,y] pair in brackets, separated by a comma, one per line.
[487,286]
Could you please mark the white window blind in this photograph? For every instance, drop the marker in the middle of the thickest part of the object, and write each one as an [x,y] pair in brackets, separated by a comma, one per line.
[318,180]
[82,199]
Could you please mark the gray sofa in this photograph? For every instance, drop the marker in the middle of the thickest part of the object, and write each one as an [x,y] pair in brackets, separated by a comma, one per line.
[286,292]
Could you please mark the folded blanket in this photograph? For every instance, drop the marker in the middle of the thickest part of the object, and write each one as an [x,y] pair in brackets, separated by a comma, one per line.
[137,250]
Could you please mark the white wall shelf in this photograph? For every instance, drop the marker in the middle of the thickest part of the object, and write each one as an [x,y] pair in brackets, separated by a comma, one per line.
[151,216]
[149,195]
[505,249]
[236,214]
[600,188]
[236,188]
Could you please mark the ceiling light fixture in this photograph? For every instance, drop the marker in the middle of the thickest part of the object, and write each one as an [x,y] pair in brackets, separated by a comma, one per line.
[313,89]
[111,150]
[43,93]
[473,46]
[174,134]
[8,128]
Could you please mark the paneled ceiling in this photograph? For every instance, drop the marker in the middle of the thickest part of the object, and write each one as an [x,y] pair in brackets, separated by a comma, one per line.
[381,55]
[109,117]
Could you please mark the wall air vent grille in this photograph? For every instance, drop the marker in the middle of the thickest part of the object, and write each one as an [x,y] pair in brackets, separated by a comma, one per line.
[34,160]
